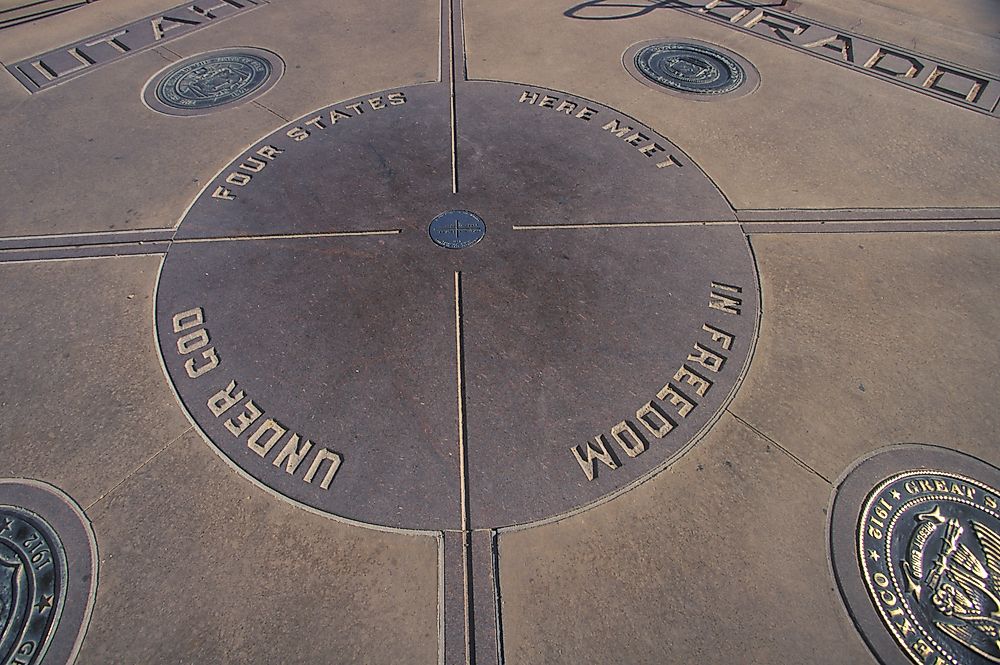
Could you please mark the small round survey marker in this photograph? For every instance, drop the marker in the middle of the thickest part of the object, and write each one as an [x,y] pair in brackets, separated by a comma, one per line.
[457,229]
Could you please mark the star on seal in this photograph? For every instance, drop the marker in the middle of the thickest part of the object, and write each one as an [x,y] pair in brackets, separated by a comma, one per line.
[937,587]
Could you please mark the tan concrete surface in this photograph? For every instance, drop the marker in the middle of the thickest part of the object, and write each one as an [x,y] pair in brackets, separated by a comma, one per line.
[93,157]
[82,396]
[361,48]
[680,569]
[813,135]
[866,338]
[964,31]
[872,339]
[151,165]
[28,39]
[198,565]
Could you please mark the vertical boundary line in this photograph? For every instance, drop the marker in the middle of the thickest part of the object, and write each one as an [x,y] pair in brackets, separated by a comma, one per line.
[463,475]
[497,600]
[439,536]
[451,85]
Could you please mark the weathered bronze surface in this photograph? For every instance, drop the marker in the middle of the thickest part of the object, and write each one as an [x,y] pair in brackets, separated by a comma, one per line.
[212,81]
[48,572]
[929,547]
[32,584]
[310,327]
[926,554]
[690,67]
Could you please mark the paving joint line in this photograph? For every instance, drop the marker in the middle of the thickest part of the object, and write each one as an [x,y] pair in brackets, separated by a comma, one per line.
[139,468]
[795,458]
[170,51]
[270,110]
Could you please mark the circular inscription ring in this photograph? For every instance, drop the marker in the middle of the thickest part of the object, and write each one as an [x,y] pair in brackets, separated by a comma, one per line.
[325,343]
[209,81]
[690,68]
[927,554]
[47,573]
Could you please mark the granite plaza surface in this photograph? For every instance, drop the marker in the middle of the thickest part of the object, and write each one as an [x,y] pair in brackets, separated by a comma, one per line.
[469,331]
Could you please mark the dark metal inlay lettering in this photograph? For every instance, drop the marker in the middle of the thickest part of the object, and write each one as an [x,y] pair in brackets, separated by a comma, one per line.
[929,547]
[67,62]
[33,577]
[213,81]
[341,387]
[690,68]
[457,229]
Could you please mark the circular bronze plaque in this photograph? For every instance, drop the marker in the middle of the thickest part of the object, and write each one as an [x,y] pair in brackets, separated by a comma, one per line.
[210,81]
[47,573]
[330,350]
[32,582]
[690,68]
[927,553]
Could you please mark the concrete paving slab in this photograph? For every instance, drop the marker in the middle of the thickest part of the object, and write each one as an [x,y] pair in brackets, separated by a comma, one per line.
[29,39]
[82,399]
[363,47]
[961,31]
[149,163]
[874,339]
[679,569]
[179,540]
[814,135]
[467,341]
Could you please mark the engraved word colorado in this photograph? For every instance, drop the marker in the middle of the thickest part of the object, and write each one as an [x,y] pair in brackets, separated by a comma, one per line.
[947,81]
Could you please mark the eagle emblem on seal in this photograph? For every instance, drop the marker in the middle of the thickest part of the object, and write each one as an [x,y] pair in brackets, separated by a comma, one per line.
[944,571]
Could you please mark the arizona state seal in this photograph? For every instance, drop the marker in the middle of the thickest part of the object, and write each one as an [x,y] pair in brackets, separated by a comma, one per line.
[929,548]
[48,573]
[32,584]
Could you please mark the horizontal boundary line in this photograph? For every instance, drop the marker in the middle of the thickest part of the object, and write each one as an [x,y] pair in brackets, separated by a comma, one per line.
[865,214]
[625,225]
[883,226]
[291,236]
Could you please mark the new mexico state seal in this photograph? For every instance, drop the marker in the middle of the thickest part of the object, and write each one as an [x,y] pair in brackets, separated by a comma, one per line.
[928,543]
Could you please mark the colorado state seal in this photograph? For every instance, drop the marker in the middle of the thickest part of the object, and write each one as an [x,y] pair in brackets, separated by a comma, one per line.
[929,549]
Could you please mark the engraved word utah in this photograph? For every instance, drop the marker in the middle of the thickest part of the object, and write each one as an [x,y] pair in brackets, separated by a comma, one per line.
[48,69]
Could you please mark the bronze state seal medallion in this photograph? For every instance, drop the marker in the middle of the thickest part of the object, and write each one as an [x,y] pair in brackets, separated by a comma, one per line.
[929,548]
